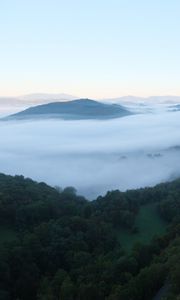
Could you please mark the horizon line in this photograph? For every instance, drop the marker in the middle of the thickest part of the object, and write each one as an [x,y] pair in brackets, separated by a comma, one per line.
[85,97]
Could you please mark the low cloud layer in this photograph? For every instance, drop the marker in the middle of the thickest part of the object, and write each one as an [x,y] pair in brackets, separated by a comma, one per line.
[94,156]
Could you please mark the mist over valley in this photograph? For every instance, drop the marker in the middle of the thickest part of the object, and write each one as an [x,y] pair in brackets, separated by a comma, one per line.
[94,155]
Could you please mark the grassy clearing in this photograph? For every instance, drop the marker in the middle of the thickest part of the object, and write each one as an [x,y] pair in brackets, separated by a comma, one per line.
[148,223]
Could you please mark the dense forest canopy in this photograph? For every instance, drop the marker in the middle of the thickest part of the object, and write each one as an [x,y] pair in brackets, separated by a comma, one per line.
[54,244]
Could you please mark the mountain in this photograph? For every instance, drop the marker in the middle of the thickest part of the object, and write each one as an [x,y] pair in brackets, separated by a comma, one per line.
[10,105]
[175,107]
[76,109]
[153,104]
[9,101]
[145,100]
[42,98]
[125,245]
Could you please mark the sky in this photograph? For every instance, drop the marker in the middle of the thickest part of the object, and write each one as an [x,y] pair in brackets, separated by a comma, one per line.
[92,48]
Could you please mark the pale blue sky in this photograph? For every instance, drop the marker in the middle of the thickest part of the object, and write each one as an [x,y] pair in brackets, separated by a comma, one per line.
[97,48]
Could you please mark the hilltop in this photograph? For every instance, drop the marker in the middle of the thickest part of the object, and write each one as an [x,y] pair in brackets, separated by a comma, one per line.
[76,109]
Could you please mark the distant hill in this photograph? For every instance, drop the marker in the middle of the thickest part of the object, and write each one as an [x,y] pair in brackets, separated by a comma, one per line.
[76,109]
[44,98]
[175,107]
[145,100]
[12,105]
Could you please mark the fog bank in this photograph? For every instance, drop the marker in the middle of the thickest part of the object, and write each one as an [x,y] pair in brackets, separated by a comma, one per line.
[94,156]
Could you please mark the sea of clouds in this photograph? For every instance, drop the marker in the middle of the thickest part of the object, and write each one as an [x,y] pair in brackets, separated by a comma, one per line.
[94,156]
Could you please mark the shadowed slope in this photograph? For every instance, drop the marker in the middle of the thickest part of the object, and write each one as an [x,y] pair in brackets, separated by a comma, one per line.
[76,109]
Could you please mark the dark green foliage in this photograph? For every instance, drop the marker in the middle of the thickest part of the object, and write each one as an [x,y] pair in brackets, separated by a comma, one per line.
[67,248]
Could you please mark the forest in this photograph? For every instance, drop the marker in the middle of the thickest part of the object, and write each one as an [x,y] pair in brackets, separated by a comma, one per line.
[56,245]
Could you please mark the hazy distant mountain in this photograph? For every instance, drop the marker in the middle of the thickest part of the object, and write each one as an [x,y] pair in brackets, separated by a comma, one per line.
[40,98]
[145,100]
[76,109]
[174,107]
[163,99]
[9,105]
[10,101]
[153,104]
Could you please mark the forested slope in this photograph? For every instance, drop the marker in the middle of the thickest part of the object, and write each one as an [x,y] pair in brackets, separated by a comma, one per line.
[64,247]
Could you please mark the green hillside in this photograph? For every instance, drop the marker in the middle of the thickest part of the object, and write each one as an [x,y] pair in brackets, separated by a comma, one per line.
[55,244]
[148,224]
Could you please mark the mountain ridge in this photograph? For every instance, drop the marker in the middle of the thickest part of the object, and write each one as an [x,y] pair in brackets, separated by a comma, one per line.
[74,109]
